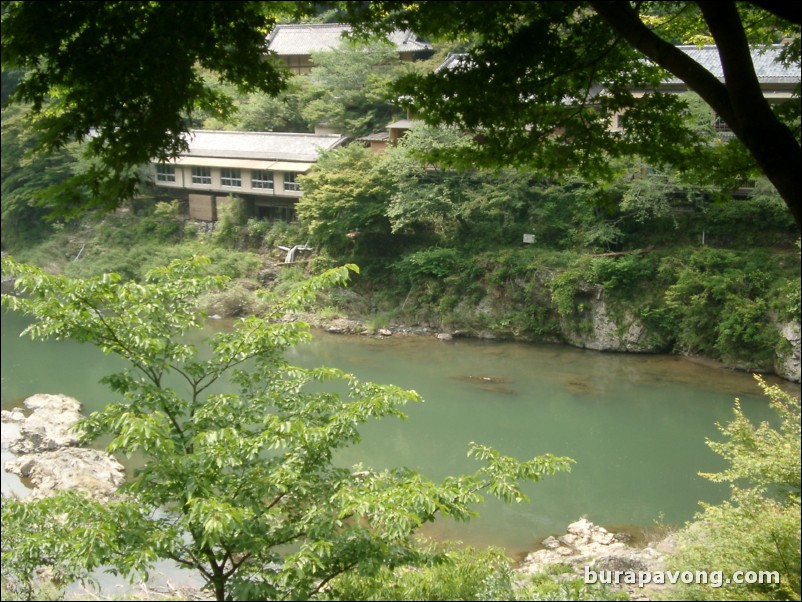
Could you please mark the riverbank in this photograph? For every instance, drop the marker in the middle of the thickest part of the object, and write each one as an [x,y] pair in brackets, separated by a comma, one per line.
[790,363]
[736,305]
[584,551]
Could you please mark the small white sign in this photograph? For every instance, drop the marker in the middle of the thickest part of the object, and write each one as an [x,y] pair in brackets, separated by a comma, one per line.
[529,239]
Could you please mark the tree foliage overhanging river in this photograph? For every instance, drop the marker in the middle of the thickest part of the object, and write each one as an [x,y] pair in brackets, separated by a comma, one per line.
[635,424]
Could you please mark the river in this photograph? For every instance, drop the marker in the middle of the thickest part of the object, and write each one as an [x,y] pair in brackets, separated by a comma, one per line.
[635,424]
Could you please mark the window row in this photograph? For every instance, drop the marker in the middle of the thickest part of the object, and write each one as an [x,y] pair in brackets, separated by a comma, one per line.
[230,177]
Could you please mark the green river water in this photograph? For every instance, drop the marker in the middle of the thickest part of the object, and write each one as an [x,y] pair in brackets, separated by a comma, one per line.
[635,424]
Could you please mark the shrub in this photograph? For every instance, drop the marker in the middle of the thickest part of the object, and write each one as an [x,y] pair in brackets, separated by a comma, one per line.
[758,528]
[437,263]
[718,302]
[230,220]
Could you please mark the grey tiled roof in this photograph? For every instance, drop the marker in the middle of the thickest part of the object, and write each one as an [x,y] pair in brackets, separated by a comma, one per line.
[768,70]
[377,137]
[452,61]
[295,40]
[403,124]
[261,145]
[406,41]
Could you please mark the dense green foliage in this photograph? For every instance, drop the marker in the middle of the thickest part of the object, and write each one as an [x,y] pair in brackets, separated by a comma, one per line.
[351,222]
[238,484]
[533,69]
[347,91]
[692,268]
[758,528]
[23,179]
[125,78]
[87,70]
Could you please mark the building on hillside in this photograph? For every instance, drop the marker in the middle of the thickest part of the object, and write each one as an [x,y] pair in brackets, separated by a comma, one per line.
[379,141]
[777,81]
[294,44]
[262,168]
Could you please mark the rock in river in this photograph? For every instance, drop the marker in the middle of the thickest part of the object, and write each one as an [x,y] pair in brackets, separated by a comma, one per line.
[45,443]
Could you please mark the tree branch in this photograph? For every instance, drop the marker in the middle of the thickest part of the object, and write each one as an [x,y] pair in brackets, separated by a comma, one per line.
[740,78]
[739,101]
[790,11]
[323,582]
[235,565]
[623,19]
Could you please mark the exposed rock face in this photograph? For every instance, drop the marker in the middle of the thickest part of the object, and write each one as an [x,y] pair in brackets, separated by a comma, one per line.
[48,456]
[93,472]
[345,326]
[787,364]
[47,427]
[587,545]
[626,333]
[598,328]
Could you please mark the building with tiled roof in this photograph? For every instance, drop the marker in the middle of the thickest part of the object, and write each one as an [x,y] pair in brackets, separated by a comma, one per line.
[379,141]
[777,81]
[259,167]
[294,44]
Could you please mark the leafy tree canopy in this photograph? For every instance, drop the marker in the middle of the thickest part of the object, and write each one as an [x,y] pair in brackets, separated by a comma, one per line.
[344,204]
[23,176]
[540,87]
[126,77]
[758,528]
[348,88]
[542,81]
[238,480]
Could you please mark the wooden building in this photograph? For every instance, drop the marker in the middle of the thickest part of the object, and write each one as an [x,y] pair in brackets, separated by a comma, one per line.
[262,168]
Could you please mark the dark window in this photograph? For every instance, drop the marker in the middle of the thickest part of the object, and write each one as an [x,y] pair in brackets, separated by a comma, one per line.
[261,178]
[285,214]
[230,177]
[201,175]
[165,173]
[289,181]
